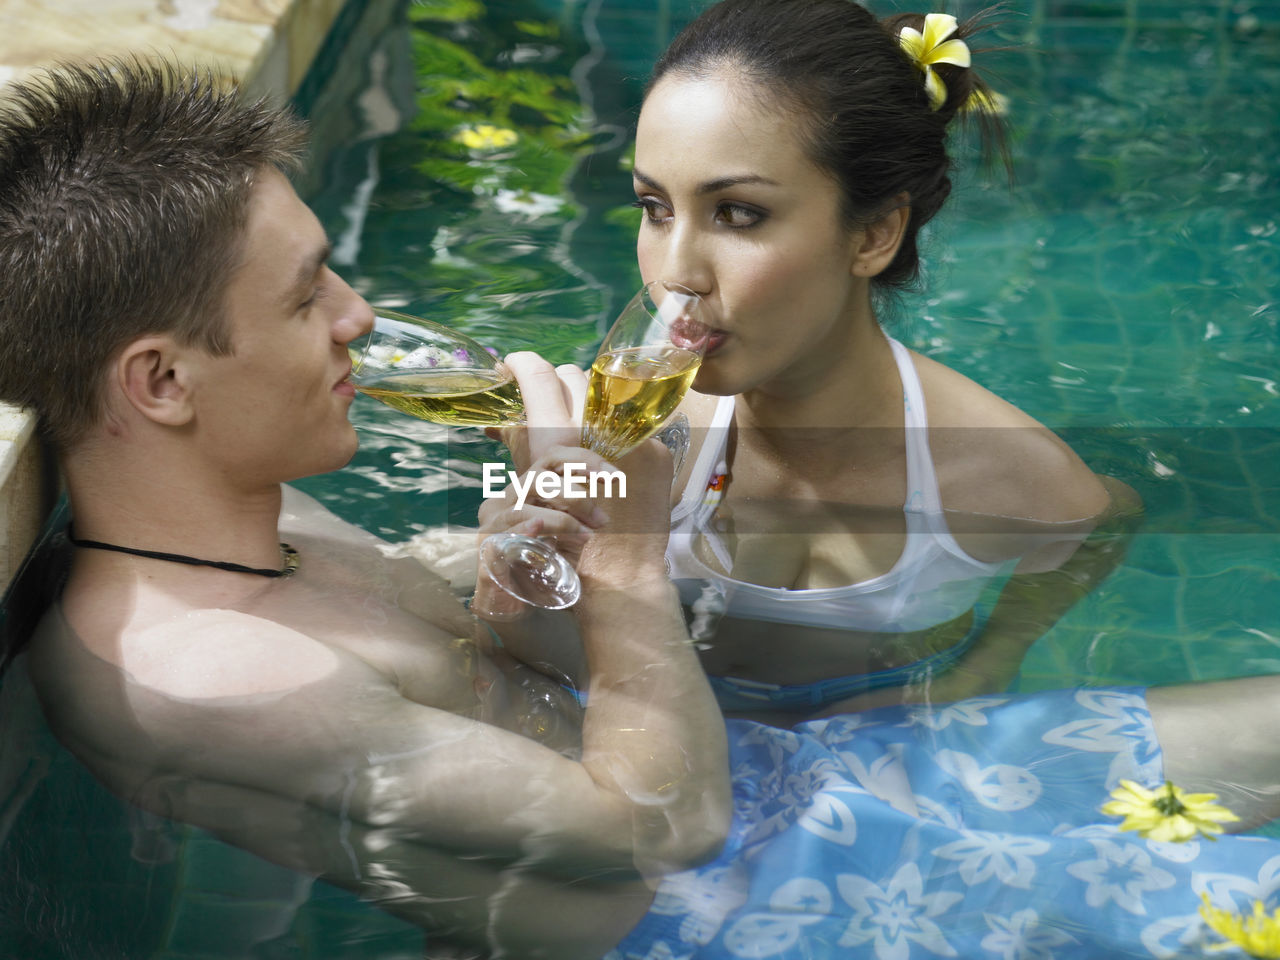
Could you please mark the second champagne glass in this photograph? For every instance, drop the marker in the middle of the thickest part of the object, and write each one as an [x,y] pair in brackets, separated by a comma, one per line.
[642,371]
[434,373]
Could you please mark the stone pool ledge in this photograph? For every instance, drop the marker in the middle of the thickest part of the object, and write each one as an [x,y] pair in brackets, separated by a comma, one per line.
[268,44]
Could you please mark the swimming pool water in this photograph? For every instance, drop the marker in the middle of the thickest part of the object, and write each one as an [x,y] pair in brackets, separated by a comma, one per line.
[1124,292]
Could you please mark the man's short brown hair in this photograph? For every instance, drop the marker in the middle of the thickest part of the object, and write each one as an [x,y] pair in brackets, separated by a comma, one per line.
[124,192]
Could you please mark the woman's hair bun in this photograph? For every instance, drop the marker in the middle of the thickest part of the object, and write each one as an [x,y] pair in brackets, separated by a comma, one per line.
[964,91]
[932,37]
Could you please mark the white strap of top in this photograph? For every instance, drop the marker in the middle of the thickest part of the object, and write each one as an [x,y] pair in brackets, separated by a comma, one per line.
[923,495]
[710,460]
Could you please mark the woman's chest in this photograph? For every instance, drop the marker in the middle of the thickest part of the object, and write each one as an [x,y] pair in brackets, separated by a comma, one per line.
[800,544]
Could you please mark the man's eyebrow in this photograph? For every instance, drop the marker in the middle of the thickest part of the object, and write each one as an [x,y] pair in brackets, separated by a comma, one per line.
[307,269]
[710,186]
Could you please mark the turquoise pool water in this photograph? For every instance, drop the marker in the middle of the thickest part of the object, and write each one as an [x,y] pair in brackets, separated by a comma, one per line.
[1124,292]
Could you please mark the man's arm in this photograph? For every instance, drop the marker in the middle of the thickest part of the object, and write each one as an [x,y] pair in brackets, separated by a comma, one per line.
[471,907]
[249,702]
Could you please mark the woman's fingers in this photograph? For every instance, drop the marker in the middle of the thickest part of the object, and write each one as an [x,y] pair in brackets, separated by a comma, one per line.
[491,602]
[537,521]
[567,534]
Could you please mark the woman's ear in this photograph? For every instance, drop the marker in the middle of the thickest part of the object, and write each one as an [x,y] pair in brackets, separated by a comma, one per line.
[154,376]
[880,240]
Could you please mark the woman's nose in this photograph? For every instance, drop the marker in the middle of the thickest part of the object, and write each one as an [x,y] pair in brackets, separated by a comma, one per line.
[686,261]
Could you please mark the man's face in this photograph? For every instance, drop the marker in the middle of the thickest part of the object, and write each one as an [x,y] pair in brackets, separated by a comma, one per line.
[276,408]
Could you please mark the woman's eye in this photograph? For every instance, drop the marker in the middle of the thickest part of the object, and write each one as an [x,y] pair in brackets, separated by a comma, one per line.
[737,215]
[654,212]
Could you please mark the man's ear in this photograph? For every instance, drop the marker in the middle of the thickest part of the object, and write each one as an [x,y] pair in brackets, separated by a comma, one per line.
[880,240]
[154,375]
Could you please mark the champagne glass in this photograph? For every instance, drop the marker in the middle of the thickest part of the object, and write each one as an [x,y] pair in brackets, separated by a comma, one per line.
[433,373]
[642,371]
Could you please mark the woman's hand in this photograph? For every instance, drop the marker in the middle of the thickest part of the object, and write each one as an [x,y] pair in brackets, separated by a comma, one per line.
[632,509]
[565,521]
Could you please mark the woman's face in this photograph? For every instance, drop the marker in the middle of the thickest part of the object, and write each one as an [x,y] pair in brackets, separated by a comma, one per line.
[735,210]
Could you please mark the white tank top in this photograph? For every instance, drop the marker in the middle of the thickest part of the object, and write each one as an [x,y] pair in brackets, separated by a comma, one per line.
[933,581]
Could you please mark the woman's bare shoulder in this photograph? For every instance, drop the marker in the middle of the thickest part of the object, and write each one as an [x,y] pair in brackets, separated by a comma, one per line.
[993,458]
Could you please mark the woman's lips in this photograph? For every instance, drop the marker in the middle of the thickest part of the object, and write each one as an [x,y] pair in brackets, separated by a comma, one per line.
[716,340]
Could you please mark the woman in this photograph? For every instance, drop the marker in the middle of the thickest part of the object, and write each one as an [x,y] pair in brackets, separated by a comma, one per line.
[848,503]
[849,510]
[976,828]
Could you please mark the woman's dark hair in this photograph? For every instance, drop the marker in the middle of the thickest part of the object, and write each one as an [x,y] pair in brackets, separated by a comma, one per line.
[869,121]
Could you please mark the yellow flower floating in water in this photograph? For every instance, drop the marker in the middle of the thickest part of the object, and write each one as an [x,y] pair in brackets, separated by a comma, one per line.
[1168,814]
[932,46]
[486,136]
[1258,934]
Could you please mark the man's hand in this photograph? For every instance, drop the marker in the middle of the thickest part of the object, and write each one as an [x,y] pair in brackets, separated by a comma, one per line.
[553,401]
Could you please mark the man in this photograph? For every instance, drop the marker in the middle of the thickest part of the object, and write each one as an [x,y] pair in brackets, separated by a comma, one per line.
[228,654]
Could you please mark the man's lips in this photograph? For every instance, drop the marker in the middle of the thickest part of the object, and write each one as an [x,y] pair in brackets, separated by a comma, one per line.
[344,385]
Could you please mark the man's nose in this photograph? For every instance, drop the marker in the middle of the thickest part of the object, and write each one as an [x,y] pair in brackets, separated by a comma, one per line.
[355,319]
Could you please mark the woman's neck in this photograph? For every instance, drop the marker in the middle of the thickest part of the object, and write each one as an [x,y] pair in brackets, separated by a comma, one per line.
[834,400]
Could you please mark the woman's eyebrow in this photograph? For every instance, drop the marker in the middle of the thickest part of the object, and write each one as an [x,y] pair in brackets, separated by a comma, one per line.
[710,186]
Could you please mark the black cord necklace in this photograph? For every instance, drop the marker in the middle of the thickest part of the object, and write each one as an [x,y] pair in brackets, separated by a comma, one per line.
[288,557]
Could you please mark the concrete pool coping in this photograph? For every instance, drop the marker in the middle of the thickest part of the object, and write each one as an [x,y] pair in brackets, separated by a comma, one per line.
[268,44]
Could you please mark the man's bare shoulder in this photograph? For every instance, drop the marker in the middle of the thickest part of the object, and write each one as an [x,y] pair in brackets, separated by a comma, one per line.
[214,696]
[424,575]
[187,657]
[207,654]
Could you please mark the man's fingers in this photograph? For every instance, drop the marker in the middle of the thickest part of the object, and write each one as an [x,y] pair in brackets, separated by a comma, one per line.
[552,519]
[573,383]
[545,405]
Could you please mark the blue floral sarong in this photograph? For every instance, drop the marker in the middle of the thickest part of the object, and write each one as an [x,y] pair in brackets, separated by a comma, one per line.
[965,830]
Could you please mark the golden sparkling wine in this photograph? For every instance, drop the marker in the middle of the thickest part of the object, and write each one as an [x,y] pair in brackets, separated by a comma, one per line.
[452,396]
[631,392]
